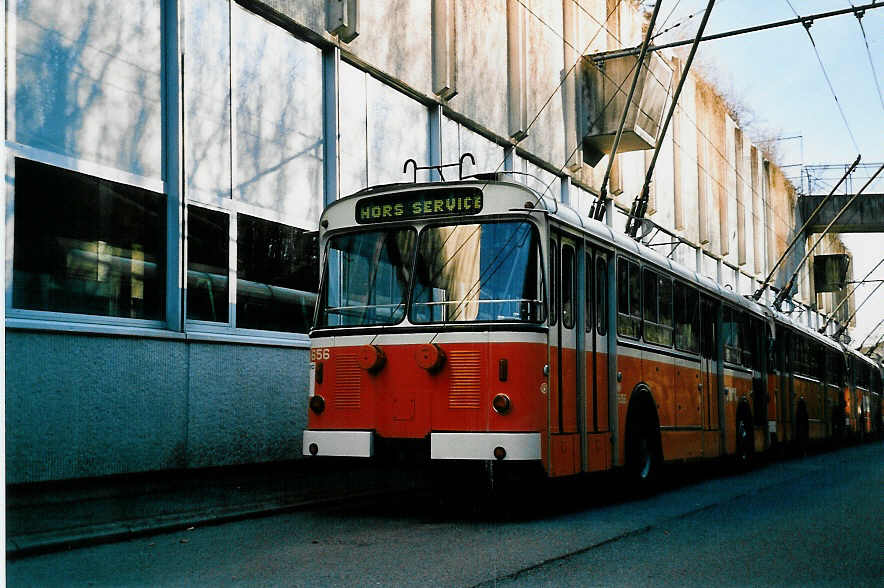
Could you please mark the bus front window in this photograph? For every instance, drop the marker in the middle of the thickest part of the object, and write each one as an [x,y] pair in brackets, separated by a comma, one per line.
[366,278]
[478,272]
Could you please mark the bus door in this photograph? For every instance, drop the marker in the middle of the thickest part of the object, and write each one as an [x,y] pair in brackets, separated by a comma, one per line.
[709,377]
[565,454]
[597,441]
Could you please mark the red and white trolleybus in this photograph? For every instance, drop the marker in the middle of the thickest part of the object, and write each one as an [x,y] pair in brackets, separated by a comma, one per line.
[483,321]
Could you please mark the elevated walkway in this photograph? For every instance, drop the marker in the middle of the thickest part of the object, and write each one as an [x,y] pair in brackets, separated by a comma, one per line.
[865,215]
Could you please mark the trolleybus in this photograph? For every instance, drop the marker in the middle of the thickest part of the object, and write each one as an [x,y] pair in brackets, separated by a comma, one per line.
[481,320]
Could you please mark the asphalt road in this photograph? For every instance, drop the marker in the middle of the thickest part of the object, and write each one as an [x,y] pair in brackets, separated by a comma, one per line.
[813,521]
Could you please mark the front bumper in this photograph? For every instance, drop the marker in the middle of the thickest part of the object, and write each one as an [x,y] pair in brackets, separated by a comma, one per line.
[518,446]
[466,446]
[339,443]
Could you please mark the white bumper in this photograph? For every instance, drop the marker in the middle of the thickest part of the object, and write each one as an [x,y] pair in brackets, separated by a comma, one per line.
[518,446]
[339,443]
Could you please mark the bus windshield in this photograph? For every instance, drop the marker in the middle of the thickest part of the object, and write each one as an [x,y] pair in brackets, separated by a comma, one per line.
[366,278]
[478,272]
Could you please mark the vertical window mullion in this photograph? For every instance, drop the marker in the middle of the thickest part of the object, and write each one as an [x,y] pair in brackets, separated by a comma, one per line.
[233,285]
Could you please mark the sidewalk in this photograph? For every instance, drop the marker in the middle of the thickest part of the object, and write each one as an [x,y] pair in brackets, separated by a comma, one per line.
[53,516]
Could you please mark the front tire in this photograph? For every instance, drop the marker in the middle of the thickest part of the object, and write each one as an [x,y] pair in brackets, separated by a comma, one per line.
[644,459]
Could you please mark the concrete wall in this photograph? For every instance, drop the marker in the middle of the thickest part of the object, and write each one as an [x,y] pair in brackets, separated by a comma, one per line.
[80,405]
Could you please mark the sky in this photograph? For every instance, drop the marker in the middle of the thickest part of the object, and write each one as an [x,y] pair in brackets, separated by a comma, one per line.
[776,76]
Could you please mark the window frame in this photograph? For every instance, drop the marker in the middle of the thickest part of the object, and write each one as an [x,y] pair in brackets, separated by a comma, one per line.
[680,302]
[656,331]
[629,318]
[84,322]
[601,285]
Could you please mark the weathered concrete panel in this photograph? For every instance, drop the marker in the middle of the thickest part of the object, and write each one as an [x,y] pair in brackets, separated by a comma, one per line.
[80,406]
[307,13]
[394,36]
[546,137]
[481,64]
[246,404]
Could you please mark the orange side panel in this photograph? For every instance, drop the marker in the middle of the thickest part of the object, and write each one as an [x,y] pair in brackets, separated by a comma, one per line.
[569,389]
[554,390]
[711,443]
[679,445]
[601,361]
[565,449]
[687,397]
[660,378]
[598,448]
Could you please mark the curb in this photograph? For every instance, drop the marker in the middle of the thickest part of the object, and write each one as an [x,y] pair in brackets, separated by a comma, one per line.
[75,538]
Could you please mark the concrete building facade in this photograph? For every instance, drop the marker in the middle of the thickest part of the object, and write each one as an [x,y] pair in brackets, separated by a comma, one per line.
[166,162]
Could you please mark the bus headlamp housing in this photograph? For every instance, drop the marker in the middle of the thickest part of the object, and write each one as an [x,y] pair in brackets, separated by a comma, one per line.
[501,404]
[371,358]
[317,404]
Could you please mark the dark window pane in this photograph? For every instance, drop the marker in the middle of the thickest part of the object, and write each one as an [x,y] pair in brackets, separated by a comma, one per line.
[276,277]
[86,245]
[686,318]
[623,286]
[635,300]
[553,281]
[629,310]
[366,279]
[569,284]
[665,292]
[601,284]
[588,316]
[208,244]
[650,297]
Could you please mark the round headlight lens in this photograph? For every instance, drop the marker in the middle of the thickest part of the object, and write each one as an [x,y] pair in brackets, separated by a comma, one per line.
[501,404]
[317,404]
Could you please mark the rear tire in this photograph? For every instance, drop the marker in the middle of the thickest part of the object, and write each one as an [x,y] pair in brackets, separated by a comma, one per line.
[745,442]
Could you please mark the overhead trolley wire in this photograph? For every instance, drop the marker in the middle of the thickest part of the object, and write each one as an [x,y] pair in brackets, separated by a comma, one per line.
[859,19]
[807,22]
[752,29]
[831,316]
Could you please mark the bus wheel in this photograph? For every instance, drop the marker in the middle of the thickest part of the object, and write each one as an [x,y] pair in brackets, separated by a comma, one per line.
[644,458]
[745,442]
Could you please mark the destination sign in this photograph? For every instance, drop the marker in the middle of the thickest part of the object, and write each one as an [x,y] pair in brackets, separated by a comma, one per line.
[418,204]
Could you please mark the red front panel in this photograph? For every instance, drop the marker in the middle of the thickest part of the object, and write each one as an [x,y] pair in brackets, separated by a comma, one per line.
[402,400]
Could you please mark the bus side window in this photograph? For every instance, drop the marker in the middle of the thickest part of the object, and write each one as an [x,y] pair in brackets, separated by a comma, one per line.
[629,298]
[588,309]
[601,284]
[708,334]
[686,318]
[553,281]
[569,286]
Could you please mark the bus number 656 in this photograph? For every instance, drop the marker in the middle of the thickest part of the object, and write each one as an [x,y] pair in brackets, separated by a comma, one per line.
[319,354]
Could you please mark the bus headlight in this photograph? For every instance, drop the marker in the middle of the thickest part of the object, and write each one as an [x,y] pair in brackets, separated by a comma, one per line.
[317,404]
[371,358]
[501,404]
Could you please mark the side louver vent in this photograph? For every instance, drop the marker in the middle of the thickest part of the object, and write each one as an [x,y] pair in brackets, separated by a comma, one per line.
[464,390]
[347,381]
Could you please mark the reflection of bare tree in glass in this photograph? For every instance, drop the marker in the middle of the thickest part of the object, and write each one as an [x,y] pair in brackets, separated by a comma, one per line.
[278,118]
[84,87]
